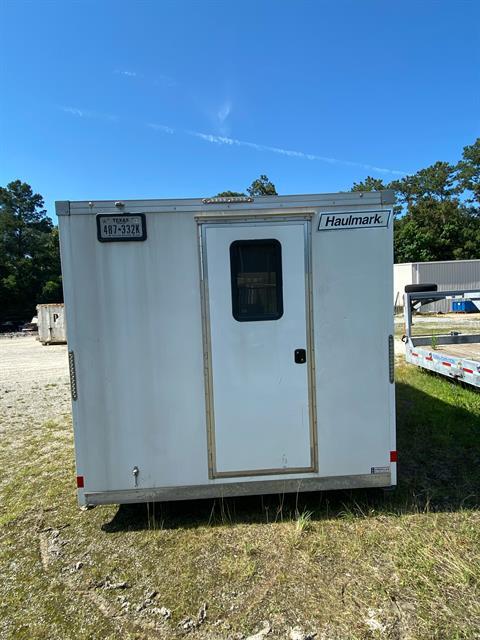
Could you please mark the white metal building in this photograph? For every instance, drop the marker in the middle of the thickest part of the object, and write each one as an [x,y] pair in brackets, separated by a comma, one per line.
[449,275]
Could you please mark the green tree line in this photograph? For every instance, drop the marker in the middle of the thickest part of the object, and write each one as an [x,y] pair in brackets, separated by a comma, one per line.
[29,253]
[437,211]
[437,217]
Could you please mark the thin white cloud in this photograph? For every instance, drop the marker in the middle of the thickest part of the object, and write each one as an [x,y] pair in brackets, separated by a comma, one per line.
[234,142]
[156,80]
[85,113]
[224,111]
[75,112]
[160,127]
[221,117]
[225,140]
[128,74]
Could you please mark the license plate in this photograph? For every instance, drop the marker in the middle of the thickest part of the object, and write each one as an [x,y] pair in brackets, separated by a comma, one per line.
[118,228]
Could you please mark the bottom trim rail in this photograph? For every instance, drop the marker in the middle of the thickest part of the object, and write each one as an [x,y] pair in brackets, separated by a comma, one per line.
[232,489]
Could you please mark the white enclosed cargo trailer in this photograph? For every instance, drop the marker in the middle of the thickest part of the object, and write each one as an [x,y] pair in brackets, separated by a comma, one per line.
[230,346]
[51,323]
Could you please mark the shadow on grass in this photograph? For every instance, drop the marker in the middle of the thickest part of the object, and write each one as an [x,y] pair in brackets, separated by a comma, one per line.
[438,470]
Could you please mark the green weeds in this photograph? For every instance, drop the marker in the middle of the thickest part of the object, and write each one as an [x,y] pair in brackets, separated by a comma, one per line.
[340,563]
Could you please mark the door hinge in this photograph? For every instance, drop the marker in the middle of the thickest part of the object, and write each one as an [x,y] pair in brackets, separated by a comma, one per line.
[73,375]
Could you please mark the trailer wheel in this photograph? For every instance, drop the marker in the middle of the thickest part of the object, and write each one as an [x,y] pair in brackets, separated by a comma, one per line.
[419,288]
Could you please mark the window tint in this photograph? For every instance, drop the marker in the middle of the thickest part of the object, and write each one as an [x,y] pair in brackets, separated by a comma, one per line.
[256,270]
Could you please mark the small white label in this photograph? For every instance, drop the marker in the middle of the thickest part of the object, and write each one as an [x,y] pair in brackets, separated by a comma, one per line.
[380,470]
[353,220]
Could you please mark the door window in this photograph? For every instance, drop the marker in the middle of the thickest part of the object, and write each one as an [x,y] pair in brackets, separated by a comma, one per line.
[256,272]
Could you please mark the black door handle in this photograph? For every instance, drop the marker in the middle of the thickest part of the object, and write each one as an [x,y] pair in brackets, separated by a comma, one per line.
[300,356]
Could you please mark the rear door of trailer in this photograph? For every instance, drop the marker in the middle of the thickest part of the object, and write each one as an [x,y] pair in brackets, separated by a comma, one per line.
[258,343]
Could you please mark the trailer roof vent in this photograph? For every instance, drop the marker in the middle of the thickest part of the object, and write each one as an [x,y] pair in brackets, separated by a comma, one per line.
[227,199]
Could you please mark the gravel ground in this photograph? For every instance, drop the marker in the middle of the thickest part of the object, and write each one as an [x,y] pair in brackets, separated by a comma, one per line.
[33,372]
[34,390]
[468,321]
[24,358]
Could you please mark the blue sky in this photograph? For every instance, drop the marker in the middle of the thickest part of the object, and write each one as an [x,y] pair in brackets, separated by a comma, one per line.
[162,99]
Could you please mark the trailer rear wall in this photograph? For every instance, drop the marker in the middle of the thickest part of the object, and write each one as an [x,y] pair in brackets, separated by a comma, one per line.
[230,348]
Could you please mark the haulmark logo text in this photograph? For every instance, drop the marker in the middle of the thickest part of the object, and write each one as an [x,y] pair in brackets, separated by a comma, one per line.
[353,220]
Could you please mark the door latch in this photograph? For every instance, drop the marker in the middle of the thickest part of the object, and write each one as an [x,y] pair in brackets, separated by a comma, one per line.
[135,472]
[300,356]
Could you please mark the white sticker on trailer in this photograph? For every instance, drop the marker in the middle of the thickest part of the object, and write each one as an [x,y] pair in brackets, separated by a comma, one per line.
[354,220]
[380,470]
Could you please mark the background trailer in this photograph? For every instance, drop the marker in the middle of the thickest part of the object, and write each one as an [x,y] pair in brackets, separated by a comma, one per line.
[454,354]
[230,346]
[51,323]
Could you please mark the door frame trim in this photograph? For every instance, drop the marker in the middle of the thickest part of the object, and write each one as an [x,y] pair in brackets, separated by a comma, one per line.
[256,220]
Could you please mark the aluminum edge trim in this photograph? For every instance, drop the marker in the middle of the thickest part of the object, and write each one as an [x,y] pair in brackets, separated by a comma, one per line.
[245,488]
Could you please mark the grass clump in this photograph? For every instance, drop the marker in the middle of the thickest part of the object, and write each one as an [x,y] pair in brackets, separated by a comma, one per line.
[304,521]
